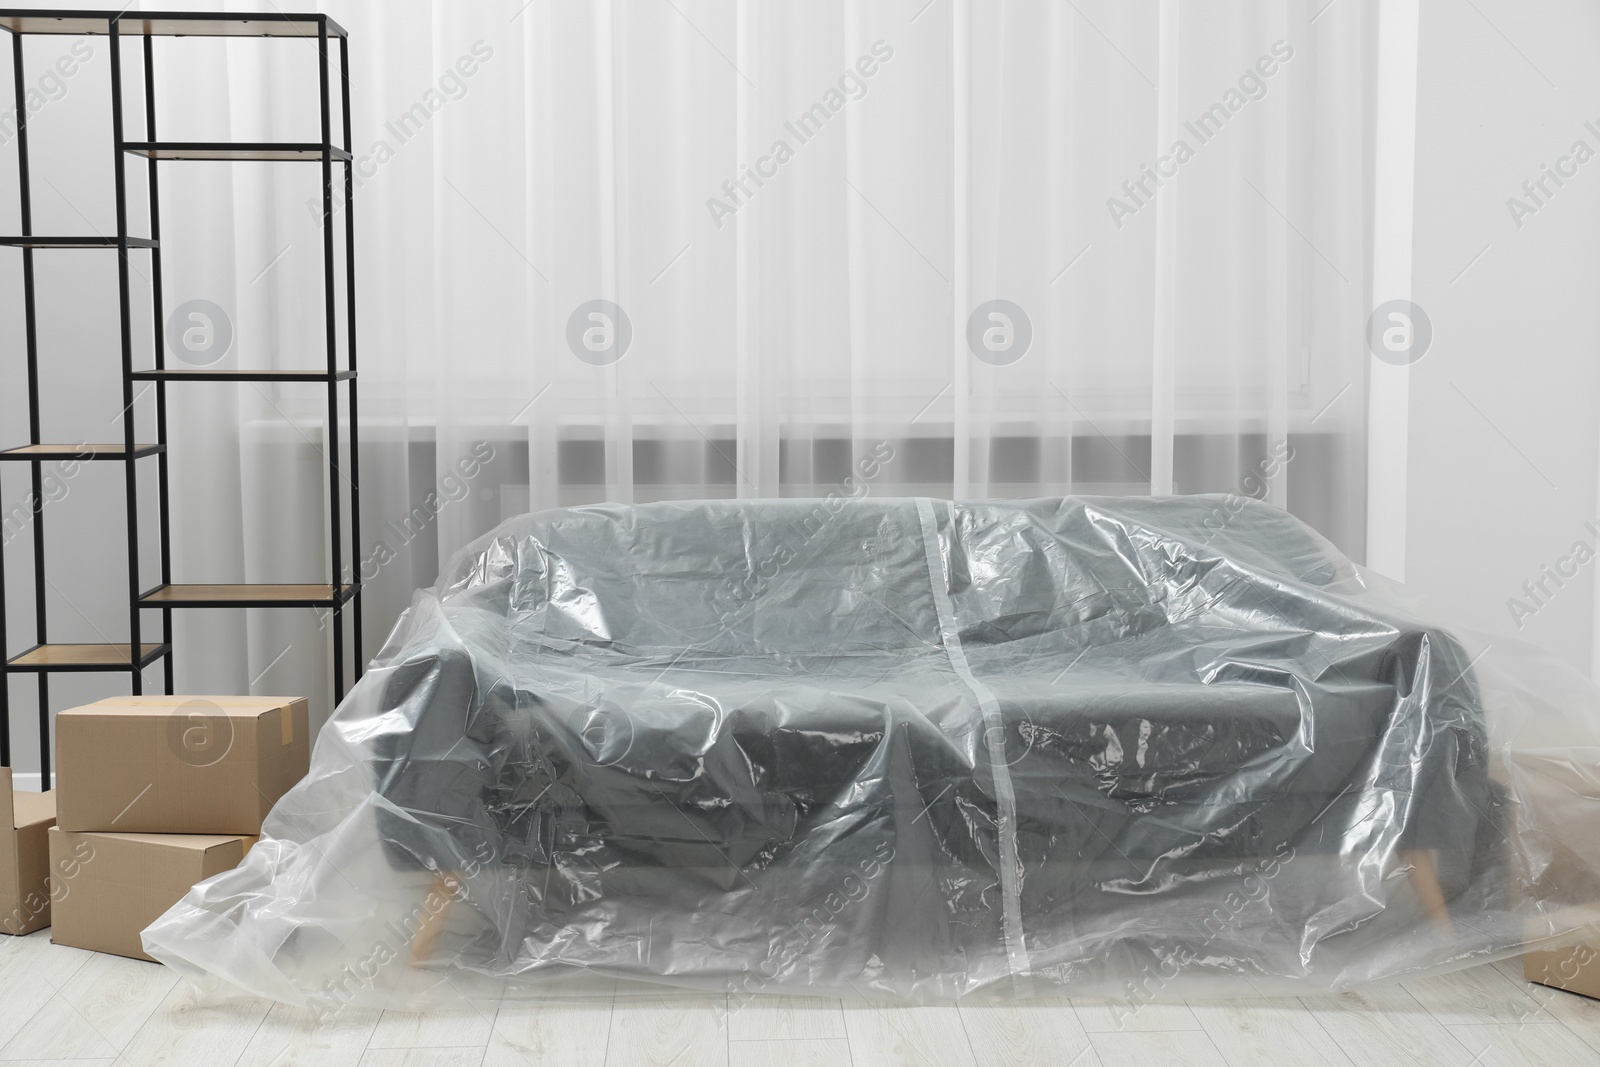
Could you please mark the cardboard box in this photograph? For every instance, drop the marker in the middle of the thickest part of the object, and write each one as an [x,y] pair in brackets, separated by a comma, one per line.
[1557,858]
[109,887]
[178,765]
[25,818]
[1575,968]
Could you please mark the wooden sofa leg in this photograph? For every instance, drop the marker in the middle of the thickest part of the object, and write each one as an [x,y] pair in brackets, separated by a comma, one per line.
[436,909]
[1424,875]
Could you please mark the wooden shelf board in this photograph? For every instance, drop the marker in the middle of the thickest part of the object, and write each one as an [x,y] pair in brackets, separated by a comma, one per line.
[239,595]
[211,374]
[165,24]
[81,452]
[65,655]
[71,241]
[218,151]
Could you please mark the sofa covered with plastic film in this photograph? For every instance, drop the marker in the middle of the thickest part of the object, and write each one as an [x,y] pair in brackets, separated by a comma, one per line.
[911,749]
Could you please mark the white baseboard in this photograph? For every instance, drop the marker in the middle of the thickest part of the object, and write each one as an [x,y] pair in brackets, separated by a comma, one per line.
[27,781]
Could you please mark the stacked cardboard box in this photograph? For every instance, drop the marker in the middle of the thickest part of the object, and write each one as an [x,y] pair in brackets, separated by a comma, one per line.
[155,794]
[24,858]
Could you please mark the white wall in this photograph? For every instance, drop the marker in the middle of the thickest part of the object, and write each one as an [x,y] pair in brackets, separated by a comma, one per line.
[1504,422]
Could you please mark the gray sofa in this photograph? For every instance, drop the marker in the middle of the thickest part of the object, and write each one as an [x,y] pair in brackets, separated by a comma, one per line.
[925,749]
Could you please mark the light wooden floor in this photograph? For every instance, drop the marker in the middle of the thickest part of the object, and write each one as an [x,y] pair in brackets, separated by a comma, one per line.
[61,1005]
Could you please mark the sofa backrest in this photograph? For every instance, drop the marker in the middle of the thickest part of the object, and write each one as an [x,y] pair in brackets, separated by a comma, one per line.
[809,577]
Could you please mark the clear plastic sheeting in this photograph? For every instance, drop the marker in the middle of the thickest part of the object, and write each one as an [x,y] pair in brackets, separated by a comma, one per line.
[917,750]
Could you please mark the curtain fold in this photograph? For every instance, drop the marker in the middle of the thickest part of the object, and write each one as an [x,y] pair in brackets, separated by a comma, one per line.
[633,250]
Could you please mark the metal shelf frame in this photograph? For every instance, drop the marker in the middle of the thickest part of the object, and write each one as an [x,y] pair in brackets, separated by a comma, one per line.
[44,657]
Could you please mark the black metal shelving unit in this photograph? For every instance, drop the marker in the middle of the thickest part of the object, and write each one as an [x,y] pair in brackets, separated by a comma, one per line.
[45,657]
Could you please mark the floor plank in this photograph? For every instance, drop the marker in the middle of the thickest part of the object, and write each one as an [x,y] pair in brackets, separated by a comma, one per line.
[183,1031]
[1579,1014]
[96,1013]
[667,1032]
[455,1028]
[1524,1046]
[23,998]
[784,1018]
[1478,995]
[1168,1048]
[1114,1016]
[894,1036]
[1383,1026]
[44,961]
[833,1052]
[422,1057]
[1266,1033]
[569,1031]
[1512,969]
[1005,1034]
[32,971]
[297,1036]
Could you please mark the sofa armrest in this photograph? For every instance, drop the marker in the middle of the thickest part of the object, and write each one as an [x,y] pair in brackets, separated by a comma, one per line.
[434,763]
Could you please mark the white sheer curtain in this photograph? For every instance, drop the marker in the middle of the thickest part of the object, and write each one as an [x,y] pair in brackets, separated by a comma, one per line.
[805,212]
